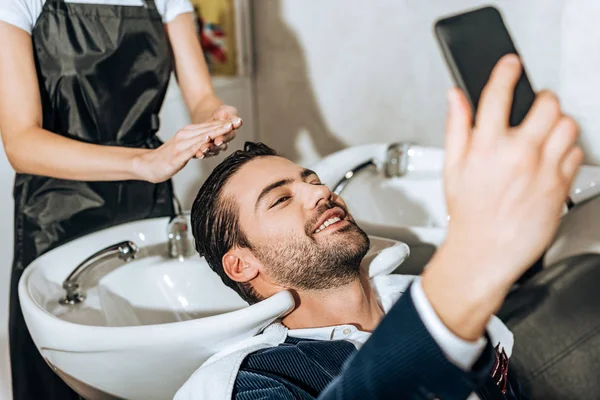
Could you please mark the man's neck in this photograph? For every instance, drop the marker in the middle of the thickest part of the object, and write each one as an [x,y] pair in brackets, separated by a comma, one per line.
[353,304]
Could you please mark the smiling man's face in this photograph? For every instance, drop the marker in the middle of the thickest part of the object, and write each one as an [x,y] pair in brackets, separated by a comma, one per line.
[300,231]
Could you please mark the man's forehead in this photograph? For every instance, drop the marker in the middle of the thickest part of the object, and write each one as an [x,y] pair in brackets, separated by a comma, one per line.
[247,183]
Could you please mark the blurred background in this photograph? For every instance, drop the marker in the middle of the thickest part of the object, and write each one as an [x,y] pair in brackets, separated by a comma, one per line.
[310,77]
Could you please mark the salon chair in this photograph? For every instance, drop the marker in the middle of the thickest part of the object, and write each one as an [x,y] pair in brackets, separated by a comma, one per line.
[554,313]
[555,317]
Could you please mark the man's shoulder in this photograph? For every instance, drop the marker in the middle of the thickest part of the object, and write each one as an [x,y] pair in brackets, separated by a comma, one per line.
[215,378]
[328,355]
[300,368]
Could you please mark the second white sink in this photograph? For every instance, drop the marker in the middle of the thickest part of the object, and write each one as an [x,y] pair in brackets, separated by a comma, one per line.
[412,207]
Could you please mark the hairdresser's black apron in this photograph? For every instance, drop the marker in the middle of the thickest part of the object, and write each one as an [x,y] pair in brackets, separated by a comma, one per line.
[103,71]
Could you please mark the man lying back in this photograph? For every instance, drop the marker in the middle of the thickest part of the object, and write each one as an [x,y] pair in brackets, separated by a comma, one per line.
[265,225]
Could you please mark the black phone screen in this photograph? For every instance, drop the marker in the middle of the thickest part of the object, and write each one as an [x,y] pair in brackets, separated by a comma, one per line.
[472,44]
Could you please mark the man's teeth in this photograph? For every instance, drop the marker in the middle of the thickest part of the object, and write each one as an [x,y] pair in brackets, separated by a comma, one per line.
[327,223]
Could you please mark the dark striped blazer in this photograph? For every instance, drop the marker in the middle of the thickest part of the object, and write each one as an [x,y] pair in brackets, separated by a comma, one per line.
[401,360]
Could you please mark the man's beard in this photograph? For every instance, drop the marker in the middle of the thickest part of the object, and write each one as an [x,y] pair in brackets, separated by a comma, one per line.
[303,263]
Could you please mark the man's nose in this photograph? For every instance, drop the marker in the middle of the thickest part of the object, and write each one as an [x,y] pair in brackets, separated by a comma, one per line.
[315,194]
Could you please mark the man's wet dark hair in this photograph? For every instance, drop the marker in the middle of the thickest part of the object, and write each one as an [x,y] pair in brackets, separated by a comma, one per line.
[215,222]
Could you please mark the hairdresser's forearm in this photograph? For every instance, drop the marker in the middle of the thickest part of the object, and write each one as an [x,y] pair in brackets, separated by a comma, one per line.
[40,152]
[205,108]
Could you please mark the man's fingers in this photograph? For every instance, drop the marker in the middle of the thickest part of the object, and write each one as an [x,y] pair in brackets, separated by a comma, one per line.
[560,142]
[571,163]
[458,127]
[542,117]
[496,99]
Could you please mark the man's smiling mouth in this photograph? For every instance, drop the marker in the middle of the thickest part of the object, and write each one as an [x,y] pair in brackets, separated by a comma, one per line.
[330,217]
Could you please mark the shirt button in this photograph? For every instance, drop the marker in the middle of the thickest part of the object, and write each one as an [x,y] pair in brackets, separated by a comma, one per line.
[347,331]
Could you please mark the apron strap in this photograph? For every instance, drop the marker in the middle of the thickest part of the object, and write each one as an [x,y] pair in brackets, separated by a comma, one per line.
[154,123]
[150,4]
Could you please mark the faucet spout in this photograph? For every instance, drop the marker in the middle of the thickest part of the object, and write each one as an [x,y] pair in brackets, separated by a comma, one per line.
[125,251]
[394,165]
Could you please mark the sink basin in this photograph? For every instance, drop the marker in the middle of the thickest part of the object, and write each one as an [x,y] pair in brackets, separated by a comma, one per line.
[411,208]
[418,200]
[149,323]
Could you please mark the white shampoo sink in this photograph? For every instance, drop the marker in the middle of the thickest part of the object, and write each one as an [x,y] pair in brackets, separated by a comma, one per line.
[147,325]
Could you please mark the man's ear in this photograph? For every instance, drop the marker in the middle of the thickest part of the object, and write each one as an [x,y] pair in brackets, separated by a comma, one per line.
[240,265]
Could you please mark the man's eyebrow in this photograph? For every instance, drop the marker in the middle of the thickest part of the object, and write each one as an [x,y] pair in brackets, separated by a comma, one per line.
[306,173]
[303,175]
[270,188]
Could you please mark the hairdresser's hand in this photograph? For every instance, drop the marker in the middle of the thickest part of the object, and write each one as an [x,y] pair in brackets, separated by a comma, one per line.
[223,113]
[160,164]
[505,188]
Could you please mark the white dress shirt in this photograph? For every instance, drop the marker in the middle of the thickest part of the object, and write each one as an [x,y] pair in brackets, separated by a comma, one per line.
[388,289]
[213,380]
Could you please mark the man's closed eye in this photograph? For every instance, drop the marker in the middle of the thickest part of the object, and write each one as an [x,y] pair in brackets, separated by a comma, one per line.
[280,201]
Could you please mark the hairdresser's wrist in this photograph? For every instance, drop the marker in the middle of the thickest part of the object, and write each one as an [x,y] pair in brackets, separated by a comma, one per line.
[139,166]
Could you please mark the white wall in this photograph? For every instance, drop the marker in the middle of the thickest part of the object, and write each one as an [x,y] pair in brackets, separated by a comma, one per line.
[336,73]
[234,91]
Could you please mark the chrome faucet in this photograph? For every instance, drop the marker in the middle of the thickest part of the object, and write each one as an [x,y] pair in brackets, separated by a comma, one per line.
[337,189]
[394,165]
[90,270]
[86,270]
[178,234]
[396,160]
[178,237]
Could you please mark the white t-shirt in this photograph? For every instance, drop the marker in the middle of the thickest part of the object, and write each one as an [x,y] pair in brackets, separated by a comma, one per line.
[24,13]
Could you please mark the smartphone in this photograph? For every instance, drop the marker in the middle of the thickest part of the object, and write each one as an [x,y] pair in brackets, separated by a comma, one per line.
[472,43]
